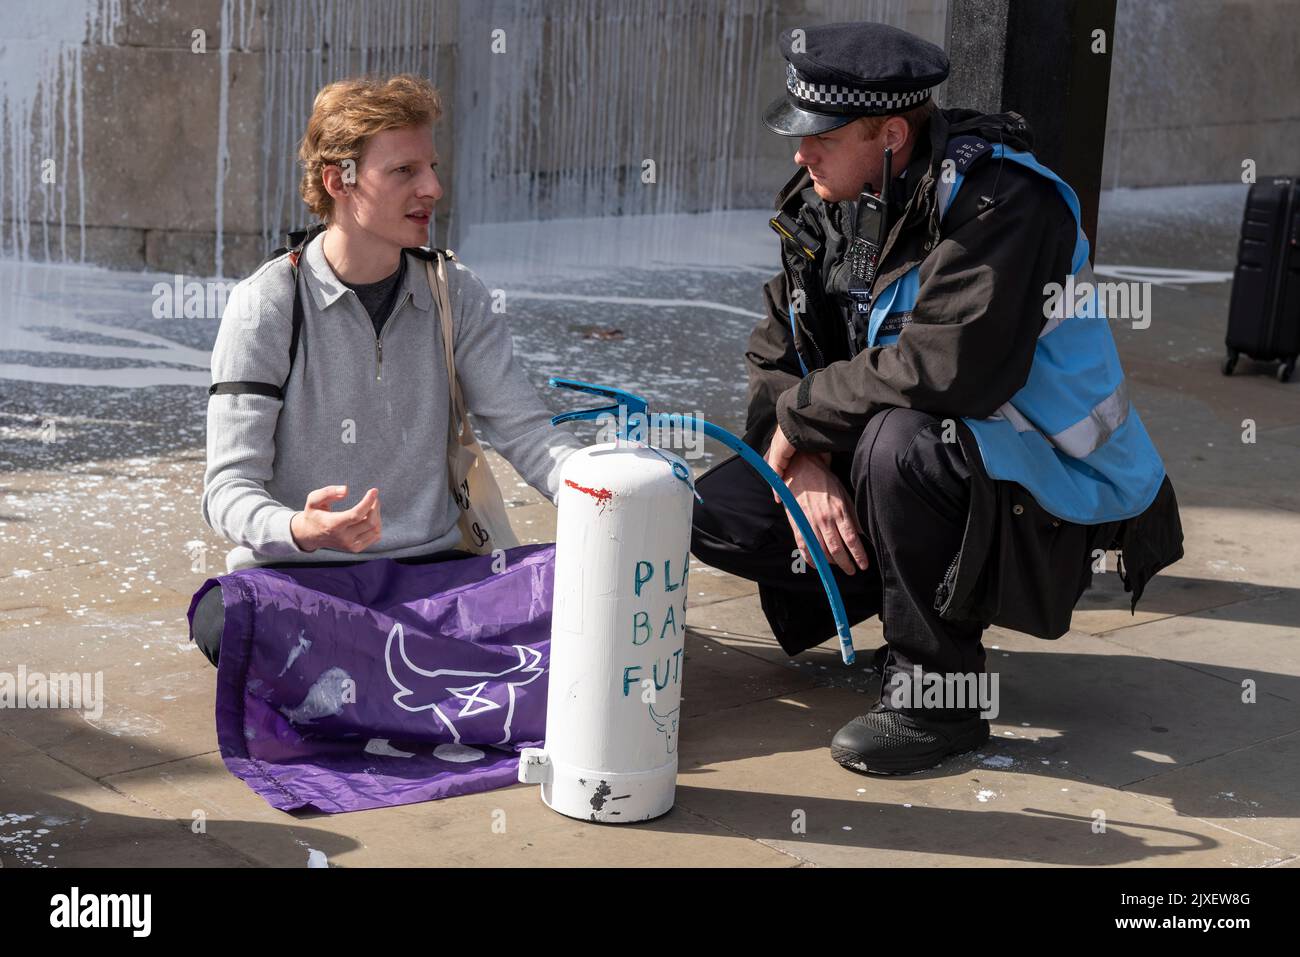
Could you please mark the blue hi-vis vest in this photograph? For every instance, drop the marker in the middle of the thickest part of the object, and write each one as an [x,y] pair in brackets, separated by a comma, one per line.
[1070,436]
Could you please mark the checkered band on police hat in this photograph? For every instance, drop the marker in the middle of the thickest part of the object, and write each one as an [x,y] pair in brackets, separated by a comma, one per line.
[841,97]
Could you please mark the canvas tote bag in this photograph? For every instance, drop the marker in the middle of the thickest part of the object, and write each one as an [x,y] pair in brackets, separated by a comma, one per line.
[483,523]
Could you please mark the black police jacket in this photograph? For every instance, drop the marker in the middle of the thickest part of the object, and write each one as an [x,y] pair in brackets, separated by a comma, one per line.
[970,343]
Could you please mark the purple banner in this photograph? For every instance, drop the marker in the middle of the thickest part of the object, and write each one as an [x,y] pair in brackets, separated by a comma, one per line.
[381,683]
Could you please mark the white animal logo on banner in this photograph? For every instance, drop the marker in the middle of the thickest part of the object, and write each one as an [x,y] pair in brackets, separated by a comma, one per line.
[479,701]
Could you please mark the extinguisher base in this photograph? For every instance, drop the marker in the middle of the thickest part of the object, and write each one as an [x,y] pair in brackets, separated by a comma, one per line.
[610,797]
[534,766]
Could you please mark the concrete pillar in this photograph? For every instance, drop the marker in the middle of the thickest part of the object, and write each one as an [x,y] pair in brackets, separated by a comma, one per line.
[1044,60]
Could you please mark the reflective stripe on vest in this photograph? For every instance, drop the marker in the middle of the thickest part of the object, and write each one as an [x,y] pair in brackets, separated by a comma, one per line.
[1070,435]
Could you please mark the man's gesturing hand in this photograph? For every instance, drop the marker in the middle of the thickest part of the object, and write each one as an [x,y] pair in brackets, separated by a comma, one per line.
[824,500]
[353,530]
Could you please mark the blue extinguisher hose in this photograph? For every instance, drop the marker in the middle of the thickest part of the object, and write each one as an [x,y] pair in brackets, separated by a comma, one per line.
[634,405]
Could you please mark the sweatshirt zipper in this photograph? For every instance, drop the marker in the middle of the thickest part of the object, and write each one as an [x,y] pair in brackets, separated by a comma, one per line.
[379,341]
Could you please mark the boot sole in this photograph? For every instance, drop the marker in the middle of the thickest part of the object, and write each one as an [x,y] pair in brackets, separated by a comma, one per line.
[910,764]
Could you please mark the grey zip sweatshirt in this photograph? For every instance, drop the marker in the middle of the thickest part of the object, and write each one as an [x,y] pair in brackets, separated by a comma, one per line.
[360,410]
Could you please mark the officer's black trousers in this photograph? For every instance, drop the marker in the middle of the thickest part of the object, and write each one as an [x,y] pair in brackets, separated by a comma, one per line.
[911,492]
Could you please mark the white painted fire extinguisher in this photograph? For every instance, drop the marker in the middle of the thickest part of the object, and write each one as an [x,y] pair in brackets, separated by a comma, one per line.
[622,553]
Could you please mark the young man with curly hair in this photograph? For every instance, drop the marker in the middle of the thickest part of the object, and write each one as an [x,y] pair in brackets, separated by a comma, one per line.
[348,460]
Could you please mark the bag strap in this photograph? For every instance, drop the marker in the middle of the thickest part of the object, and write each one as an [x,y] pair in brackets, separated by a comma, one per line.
[297,308]
[483,521]
[299,241]
[438,281]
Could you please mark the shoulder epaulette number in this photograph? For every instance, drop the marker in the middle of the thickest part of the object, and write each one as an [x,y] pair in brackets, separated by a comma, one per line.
[965,150]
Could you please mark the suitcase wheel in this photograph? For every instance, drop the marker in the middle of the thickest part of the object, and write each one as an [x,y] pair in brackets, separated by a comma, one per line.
[1230,362]
[1284,371]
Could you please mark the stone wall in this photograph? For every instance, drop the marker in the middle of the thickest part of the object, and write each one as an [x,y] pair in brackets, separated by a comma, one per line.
[154,125]
[1197,87]
[148,142]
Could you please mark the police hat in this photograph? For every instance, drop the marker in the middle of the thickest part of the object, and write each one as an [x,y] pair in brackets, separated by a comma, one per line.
[845,70]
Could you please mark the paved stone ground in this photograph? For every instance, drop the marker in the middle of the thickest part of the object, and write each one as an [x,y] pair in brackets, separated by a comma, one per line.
[1137,720]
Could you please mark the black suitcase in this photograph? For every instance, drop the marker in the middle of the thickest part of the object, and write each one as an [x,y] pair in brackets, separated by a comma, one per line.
[1264,312]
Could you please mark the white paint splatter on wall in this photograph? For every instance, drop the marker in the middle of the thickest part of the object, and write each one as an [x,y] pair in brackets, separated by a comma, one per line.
[310,43]
[43,107]
[229,8]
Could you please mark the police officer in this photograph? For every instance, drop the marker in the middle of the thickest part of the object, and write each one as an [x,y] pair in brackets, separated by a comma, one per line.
[962,443]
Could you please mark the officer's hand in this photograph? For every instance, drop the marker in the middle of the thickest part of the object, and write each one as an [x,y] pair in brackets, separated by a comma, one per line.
[779,453]
[352,530]
[829,509]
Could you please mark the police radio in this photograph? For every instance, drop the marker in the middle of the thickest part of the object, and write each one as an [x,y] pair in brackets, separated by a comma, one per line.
[870,226]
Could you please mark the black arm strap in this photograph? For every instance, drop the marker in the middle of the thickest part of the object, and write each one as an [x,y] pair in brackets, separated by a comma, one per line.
[237,388]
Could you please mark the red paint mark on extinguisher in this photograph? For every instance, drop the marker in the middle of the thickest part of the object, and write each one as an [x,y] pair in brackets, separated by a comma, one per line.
[601,495]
